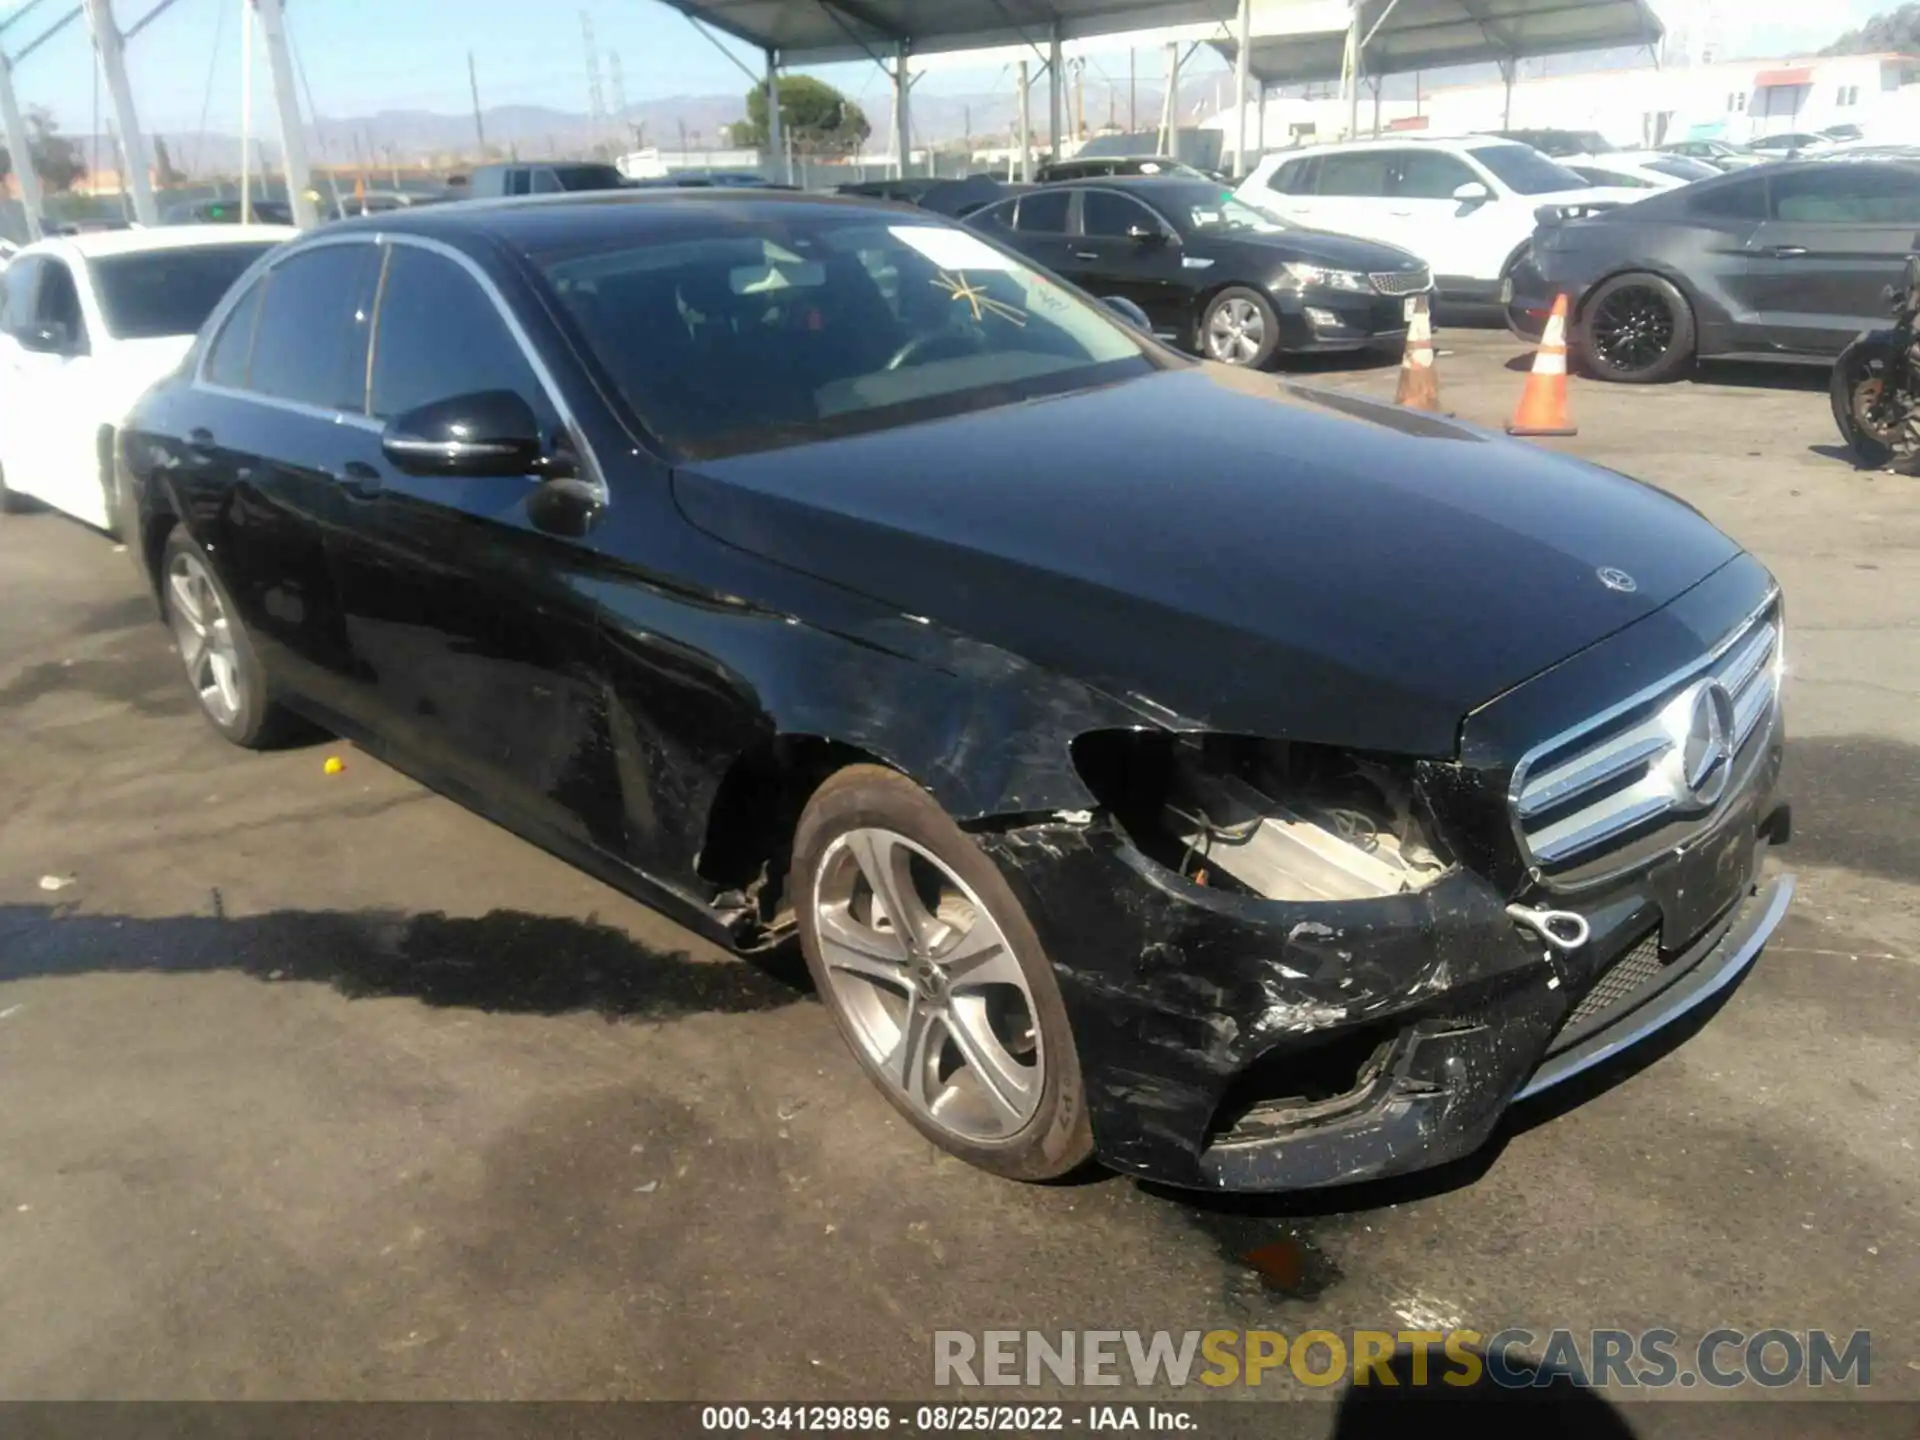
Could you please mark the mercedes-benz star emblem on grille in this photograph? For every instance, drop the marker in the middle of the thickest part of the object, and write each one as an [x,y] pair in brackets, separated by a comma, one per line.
[1706,759]
[1616,579]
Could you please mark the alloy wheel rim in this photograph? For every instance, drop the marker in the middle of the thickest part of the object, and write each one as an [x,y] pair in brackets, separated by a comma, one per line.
[931,988]
[1873,410]
[204,633]
[1633,329]
[1235,332]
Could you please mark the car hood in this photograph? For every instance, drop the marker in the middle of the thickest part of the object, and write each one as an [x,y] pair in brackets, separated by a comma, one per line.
[1227,551]
[1323,247]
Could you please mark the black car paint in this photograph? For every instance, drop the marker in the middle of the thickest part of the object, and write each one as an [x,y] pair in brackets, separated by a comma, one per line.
[637,686]
[1173,277]
[1761,288]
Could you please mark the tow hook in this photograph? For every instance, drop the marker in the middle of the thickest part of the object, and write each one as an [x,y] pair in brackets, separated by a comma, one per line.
[1563,930]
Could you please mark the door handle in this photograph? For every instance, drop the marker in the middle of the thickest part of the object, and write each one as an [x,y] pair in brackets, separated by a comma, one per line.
[1086,254]
[1402,214]
[359,480]
[1787,252]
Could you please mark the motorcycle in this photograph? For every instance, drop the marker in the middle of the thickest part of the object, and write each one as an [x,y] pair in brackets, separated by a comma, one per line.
[1876,383]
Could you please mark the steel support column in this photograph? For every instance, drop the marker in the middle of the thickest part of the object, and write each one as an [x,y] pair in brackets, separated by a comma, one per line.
[293,135]
[902,101]
[1056,95]
[137,173]
[1241,61]
[776,140]
[1025,137]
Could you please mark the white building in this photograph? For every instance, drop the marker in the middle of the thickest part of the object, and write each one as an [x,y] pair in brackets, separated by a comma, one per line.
[1732,100]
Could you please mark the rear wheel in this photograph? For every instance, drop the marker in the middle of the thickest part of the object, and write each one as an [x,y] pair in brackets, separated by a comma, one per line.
[222,667]
[1240,328]
[935,977]
[1636,329]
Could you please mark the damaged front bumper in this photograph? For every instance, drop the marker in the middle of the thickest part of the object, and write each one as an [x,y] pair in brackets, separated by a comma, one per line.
[1228,1041]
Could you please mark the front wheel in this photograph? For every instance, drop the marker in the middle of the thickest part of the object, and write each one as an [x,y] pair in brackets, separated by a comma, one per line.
[1240,328]
[1636,329]
[1867,407]
[935,977]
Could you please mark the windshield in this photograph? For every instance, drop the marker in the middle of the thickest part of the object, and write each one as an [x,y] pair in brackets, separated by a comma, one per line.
[828,325]
[167,292]
[1525,171]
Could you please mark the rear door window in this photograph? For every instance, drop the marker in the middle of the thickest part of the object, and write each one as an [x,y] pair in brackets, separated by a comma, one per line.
[1043,212]
[310,342]
[1740,200]
[231,357]
[1362,174]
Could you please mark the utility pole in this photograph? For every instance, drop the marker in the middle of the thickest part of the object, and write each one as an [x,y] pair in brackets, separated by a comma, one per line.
[110,46]
[473,86]
[1133,93]
[293,135]
[596,99]
[779,144]
[619,98]
[1080,98]
[1170,107]
[17,146]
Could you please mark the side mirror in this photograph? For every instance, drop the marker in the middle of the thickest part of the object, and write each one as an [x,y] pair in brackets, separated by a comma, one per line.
[1472,193]
[50,337]
[1146,236]
[1129,312]
[493,432]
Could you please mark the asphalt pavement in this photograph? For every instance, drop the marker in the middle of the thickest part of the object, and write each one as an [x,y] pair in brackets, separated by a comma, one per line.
[318,1086]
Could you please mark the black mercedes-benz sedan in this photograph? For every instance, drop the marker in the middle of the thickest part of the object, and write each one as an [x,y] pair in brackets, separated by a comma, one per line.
[1784,262]
[1210,272]
[1251,787]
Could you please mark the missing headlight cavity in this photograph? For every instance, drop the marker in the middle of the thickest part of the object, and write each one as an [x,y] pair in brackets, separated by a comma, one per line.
[1282,820]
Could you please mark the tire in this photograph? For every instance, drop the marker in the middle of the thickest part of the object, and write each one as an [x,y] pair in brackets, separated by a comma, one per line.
[1250,330]
[1861,364]
[223,669]
[1636,330]
[11,502]
[974,977]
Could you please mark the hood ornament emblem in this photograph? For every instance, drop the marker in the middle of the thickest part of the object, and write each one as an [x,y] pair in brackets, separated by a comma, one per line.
[1616,579]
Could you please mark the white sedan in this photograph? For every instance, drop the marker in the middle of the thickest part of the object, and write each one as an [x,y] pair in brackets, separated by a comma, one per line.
[87,323]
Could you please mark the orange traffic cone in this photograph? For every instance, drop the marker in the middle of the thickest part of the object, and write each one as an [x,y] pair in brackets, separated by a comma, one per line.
[1543,404]
[1419,381]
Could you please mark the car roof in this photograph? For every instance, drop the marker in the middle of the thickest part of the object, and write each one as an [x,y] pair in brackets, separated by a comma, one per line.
[1395,142]
[534,223]
[99,243]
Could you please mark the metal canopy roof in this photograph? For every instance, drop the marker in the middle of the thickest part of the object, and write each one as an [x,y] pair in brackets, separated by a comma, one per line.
[1430,34]
[818,32]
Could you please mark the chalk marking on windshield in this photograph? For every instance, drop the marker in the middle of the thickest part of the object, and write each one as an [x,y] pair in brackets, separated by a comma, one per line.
[977,298]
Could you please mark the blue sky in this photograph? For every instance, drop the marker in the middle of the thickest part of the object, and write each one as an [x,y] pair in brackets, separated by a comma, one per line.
[362,56]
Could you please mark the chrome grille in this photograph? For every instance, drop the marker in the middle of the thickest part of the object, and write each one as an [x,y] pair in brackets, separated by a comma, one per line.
[1672,756]
[1402,282]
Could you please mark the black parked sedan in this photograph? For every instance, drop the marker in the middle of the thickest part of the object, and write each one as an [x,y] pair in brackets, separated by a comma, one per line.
[1784,262]
[1252,787]
[1211,273]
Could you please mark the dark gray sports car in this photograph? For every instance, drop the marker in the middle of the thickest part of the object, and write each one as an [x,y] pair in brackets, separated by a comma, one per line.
[1786,262]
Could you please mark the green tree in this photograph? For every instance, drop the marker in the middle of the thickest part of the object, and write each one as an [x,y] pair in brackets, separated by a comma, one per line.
[818,118]
[1897,31]
[163,169]
[56,159]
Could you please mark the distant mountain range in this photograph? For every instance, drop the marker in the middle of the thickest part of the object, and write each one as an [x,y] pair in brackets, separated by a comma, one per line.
[411,138]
